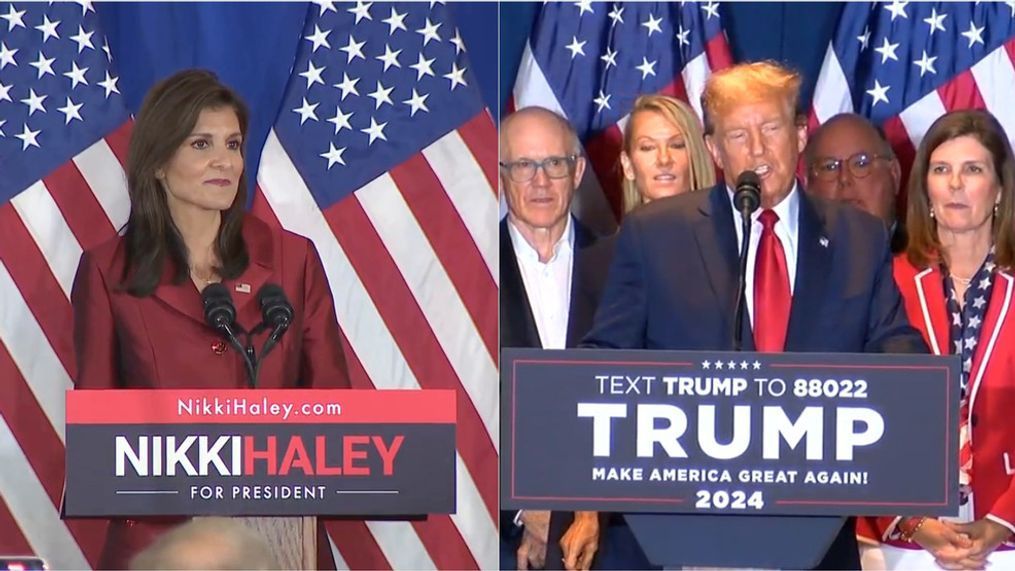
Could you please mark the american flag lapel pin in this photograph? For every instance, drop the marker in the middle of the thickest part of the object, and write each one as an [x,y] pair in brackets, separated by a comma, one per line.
[243,288]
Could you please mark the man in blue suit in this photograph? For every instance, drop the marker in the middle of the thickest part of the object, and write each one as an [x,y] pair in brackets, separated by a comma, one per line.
[818,274]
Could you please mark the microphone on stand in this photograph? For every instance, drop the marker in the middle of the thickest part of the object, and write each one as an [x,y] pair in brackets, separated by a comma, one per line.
[276,312]
[746,199]
[220,314]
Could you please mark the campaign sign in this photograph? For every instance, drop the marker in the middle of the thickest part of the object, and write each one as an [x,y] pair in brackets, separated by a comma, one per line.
[260,452]
[719,432]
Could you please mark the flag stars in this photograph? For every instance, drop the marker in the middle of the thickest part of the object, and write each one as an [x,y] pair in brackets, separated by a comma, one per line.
[956,319]
[83,39]
[864,38]
[456,76]
[706,365]
[341,120]
[348,85]
[756,365]
[429,32]
[5,91]
[14,18]
[417,103]
[979,302]
[935,21]
[652,24]
[312,74]
[71,111]
[616,15]
[719,365]
[48,29]
[395,21]
[333,155]
[898,9]
[974,34]
[7,56]
[34,102]
[353,49]
[459,44]
[375,131]
[105,48]
[647,68]
[985,283]
[682,36]
[575,47]
[602,102]
[319,38]
[390,58]
[584,6]
[887,51]
[732,365]
[711,9]
[325,6]
[974,321]
[926,64]
[381,95]
[423,67]
[76,75]
[307,111]
[970,342]
[610,57]
[44,65]
[28,138]
[879,93]
[362,10]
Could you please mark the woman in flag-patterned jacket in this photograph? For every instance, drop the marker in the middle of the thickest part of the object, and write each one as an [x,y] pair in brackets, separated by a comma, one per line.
[957,282]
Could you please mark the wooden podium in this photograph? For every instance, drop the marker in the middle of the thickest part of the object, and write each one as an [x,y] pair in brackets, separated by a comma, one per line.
[292,540]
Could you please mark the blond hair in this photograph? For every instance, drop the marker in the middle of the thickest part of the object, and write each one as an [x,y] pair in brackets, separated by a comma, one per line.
[680,114]
[749,83]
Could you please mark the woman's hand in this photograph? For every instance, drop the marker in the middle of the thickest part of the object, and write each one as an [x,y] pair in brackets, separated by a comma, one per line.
[949,547]
[984,535]
[581,541]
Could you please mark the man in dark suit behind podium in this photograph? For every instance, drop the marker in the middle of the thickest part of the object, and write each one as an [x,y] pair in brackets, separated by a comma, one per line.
[818,275]
[545,299]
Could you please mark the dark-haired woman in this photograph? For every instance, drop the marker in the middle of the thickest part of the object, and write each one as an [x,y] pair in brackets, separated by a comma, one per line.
[138,313]
[957,281]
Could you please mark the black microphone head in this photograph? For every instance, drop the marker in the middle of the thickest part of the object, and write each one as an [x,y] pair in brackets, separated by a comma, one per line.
[747,196]
[218,305]
[275,307]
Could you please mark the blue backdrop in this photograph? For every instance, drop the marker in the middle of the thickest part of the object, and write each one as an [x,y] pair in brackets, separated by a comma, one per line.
[250,46]
[796,33]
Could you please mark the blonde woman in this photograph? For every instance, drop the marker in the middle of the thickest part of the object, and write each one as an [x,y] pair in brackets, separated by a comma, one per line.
[664,151]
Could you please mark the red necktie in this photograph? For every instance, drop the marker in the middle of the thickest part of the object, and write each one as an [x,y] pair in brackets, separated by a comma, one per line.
[771,289]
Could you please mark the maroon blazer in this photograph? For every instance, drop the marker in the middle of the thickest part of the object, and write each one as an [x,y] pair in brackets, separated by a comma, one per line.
[162,341]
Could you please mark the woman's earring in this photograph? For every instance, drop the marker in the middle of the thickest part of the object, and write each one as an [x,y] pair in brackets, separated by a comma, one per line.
[995,210]
[932,212]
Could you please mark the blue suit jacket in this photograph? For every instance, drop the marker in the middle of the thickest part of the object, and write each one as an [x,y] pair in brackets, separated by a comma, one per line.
[673,281]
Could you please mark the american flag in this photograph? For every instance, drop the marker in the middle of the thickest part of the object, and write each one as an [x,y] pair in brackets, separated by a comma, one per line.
[382,154]
[385,156]
[904,64]
[591,60]
[63,139]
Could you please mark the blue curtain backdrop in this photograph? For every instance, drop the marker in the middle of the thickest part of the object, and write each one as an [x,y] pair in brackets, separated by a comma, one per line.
[796,33]
[251,46]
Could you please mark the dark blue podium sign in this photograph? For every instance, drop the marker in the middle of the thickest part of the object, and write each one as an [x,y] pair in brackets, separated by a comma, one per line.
[729,433]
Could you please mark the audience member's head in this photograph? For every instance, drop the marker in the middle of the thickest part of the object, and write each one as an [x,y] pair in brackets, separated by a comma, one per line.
[207,543]
[849,160]
[751,124]
[664,151]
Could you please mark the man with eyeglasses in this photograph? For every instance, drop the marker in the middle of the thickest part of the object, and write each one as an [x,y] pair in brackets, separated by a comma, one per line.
[545,298]
[849,160]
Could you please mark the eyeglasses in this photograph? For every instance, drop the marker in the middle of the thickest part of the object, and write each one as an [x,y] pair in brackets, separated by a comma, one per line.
[524,170]
[860,165]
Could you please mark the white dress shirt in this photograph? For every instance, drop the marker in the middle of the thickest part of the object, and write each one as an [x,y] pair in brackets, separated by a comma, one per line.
[547,285]
[786,229]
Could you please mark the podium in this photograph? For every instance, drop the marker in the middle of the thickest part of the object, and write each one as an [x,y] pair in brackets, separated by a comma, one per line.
[275,459]
[727,459]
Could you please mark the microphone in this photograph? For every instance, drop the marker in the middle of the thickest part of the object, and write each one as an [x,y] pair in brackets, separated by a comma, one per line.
[277,313]
[220,314]
[746,199]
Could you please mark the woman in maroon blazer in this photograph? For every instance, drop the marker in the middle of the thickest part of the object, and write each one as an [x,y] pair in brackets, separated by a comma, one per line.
[138,312]
[957,282]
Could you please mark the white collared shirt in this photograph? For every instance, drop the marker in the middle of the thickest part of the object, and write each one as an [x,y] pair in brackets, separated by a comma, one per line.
[547,285]
[786,229]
